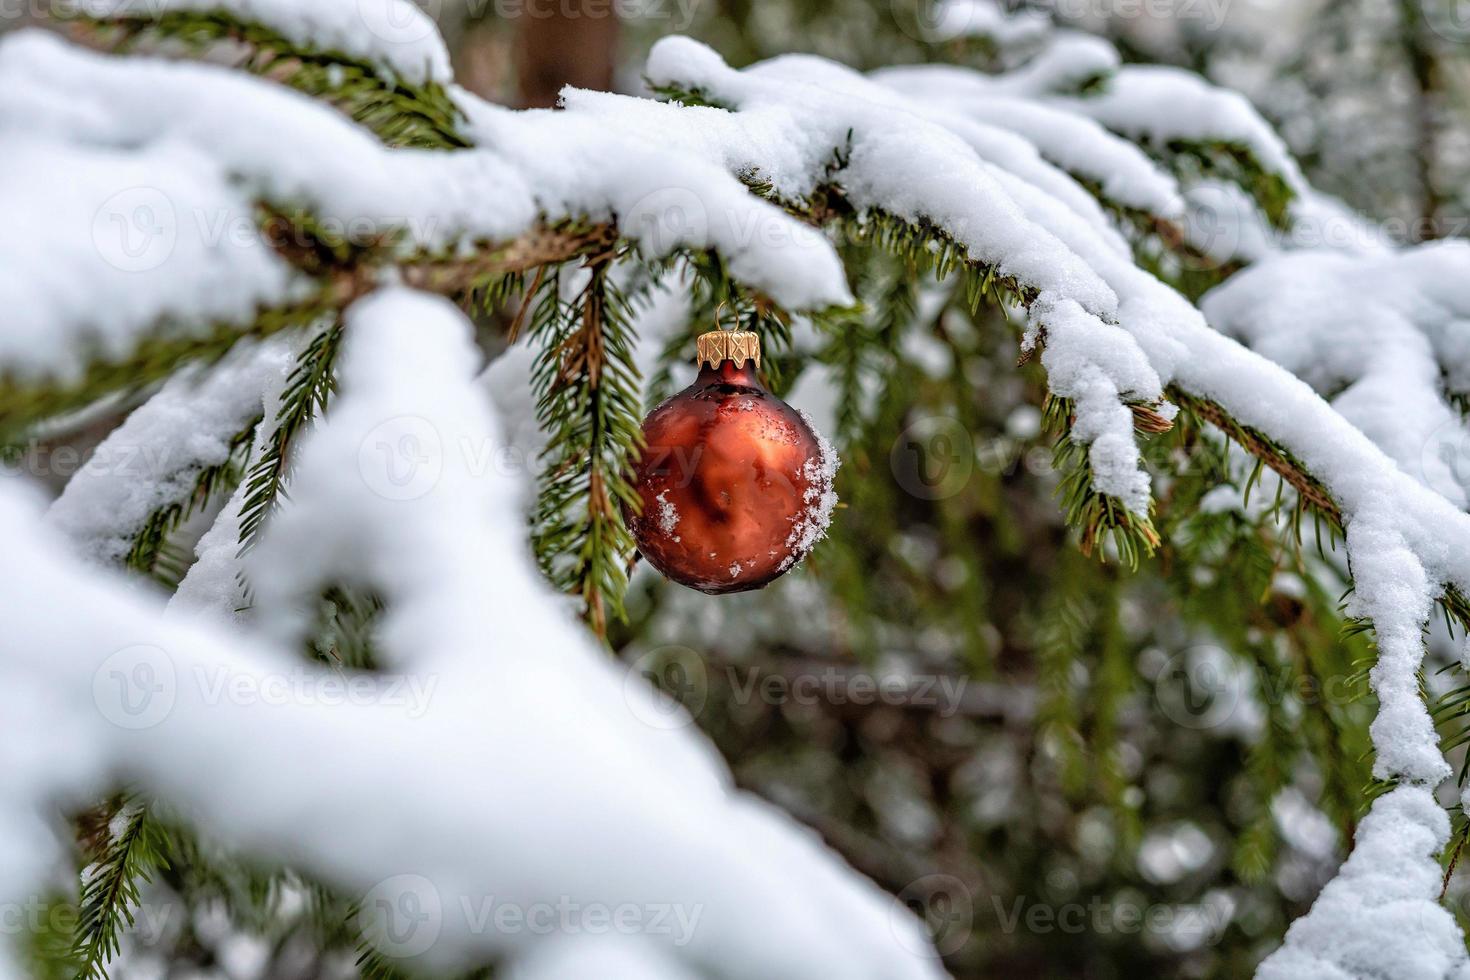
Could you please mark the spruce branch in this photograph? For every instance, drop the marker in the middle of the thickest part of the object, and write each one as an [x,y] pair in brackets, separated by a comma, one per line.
[1099,517]
[344,273]
[125,849]
[399,112]
[308,388]
[26,400]
[151,553]
[1266,450]
[587,400]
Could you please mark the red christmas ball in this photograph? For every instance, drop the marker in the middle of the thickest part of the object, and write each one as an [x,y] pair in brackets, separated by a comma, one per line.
[736,486]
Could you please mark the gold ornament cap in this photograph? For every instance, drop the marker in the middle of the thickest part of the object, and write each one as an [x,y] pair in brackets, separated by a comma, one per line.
[728,345]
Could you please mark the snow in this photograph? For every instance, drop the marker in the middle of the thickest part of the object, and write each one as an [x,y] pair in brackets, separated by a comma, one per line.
[803,107]
[665,188]
[106,217]
[1380,917]
[1384,324]
[1071,60]
[668,514]
[214,587]
[396,35]
[819,500]
[912,167]
[1375,334]
[233,125]
[608,958]
[154,457]
[1159,105]
[1080,146]
[514,668]
[987,19]
[121,167]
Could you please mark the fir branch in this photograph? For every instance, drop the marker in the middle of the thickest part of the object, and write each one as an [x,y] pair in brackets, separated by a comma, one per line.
[457,275]
[151,553]
[26,400]
[1101,518]
[712,290]
[682,95]
[587,400]
[126,849]
[1265,449]
[863,343]
[308,387]
[1062,637]
[343,634]
[400,113]
[1194,161]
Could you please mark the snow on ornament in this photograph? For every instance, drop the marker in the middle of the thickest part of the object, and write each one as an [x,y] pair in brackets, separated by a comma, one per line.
[736,485]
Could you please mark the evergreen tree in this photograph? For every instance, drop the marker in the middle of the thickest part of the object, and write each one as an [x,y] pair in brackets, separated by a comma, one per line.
[1152,548]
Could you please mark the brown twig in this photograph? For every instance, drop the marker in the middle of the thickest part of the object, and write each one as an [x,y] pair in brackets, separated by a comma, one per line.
[1253,442]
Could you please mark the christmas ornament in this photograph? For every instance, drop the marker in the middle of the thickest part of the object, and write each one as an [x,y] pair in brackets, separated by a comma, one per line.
[736,486]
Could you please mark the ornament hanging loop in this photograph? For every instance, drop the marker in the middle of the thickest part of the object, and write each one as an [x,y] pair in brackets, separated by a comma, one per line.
[719,325]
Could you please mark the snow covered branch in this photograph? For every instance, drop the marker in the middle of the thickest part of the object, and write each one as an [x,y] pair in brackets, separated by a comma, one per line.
[239,245]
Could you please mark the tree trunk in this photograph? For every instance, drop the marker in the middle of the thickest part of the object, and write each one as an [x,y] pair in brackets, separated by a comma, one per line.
[564,43]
